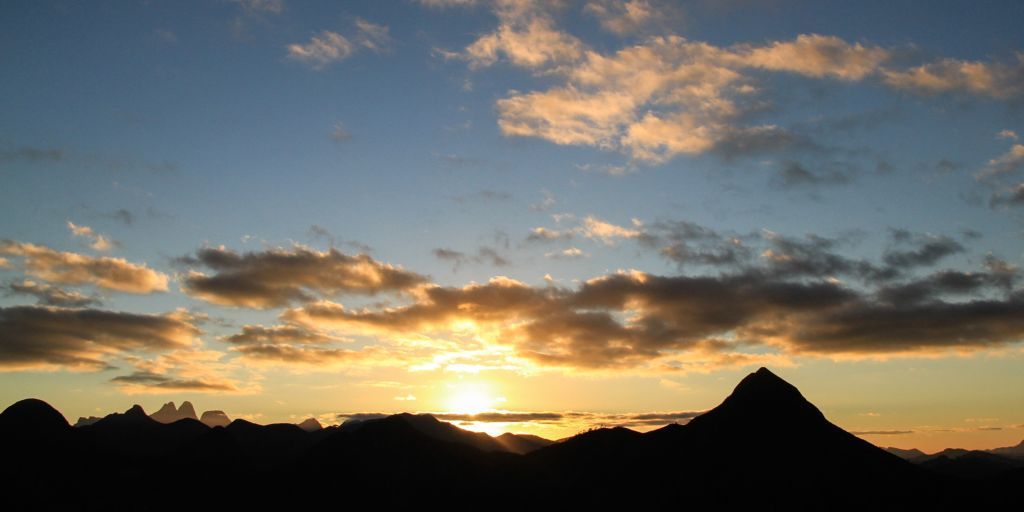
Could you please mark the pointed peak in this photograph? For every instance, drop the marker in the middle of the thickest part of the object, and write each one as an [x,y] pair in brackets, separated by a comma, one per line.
[310,425]
[764,382]
[186,410]
[136,410]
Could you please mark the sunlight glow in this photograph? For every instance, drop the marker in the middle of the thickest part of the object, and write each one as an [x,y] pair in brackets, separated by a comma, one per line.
[471,399]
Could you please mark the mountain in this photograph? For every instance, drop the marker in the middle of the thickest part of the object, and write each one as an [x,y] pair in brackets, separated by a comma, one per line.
[521,443]
[215,419]
[86,420]
[908,455]
[764,438]
[764,447]
[31,420]
[435,429]
[169,414]
[973,464]
[310,425]
[1016,452]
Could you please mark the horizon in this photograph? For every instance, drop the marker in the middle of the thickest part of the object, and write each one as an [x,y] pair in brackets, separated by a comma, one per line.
[563,214]
[489,422]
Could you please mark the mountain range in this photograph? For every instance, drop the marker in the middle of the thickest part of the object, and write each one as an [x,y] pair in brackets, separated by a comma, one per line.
[764,446]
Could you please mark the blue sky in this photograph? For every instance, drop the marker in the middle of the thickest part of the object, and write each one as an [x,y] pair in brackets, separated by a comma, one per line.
[553,144]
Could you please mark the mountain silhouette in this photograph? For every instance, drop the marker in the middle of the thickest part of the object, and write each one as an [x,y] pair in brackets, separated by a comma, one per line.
[31,419]
[169,414]
[521,443]
[215,419]
[310,425]
[1010,451]
[765,447]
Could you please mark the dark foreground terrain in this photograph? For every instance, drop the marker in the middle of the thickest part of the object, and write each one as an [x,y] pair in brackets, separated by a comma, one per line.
[765,446]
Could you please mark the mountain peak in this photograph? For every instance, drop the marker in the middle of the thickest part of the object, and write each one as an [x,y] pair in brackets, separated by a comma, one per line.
[310,425]
[136,411]
[186,410]
[765,399]
[765,385]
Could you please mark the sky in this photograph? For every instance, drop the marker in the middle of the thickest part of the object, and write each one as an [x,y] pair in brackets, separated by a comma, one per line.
[521,215]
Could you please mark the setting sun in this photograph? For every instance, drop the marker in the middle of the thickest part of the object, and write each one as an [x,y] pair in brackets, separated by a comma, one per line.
[471,399]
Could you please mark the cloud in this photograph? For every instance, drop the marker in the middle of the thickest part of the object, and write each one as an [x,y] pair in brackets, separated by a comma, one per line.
[773,291]
[339,133]
[276,277]
[942,284]
[327,47]
[31,154]
[47,295]
[33,337]
[992,79]
[322,50]
[571,253]
[625,17]
[546,203]
[592,228]
[323,358]
[188,370]
[485,195]
[793,175]
[578,419]
[1008,163]
[97,242]
[526,36]
[668,96]
[77,269]
[446,3]
[372,36]
[815,56]
[484,254]
[928,251]
[1014,196]
[162,383]
[279,335]
[268,6]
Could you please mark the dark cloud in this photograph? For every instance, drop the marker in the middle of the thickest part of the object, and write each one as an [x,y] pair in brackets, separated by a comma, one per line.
[1012,197]
[299,355]
[687,243]
[794,174]
[31,154]
[278,335]
[276,277]
[869,327]
[926,251]
[503,417]
[155,381]
[485,196]
[940,284]
[760,140]
[569,418]
[484,254]
[123,216]
[48,295]
[41,336]
[791,302]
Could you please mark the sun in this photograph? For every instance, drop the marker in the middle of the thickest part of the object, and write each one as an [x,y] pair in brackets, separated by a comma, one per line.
[471,399]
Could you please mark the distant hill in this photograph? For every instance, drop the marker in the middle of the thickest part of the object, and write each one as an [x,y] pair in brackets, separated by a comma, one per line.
[169,414]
